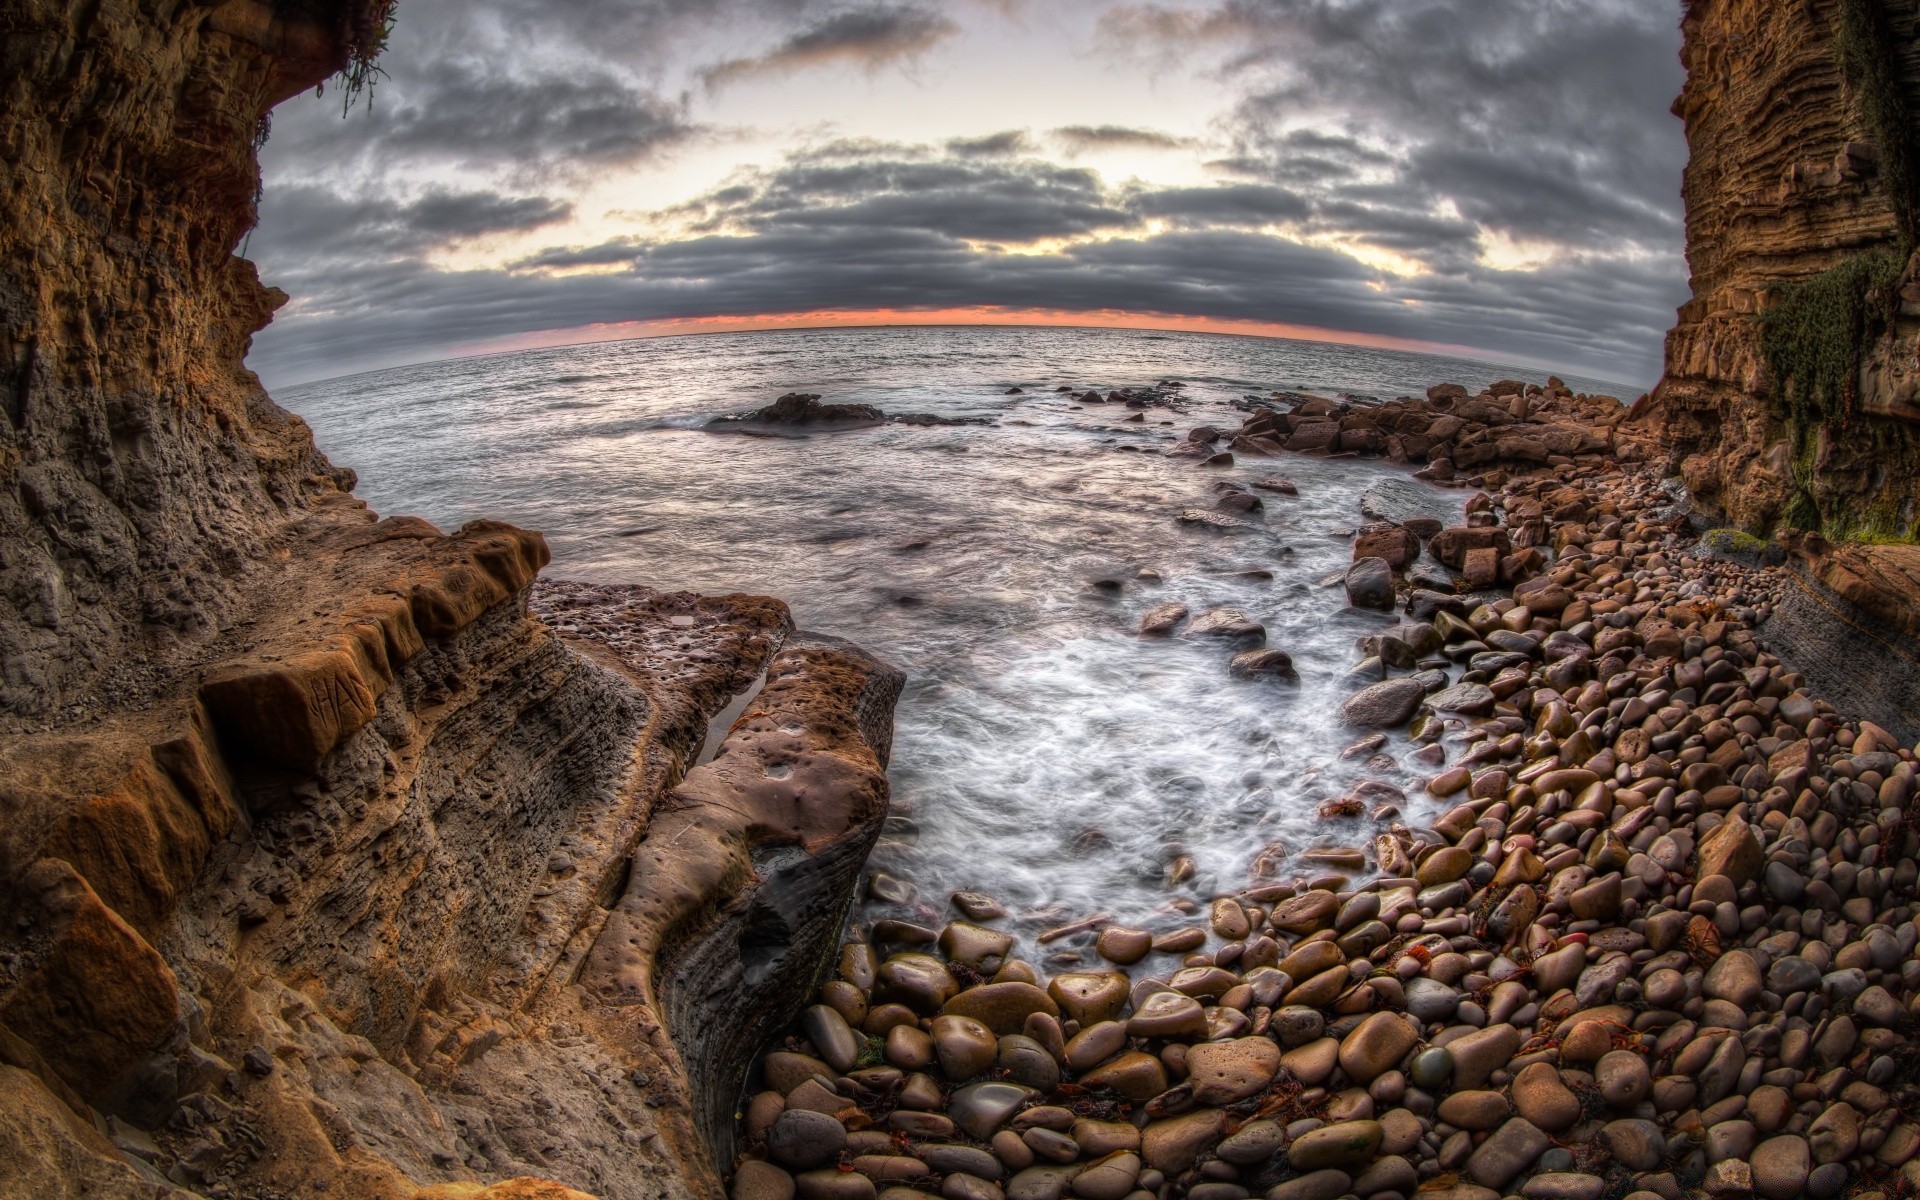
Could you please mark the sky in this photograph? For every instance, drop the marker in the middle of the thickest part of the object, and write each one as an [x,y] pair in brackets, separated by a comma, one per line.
[1498,178]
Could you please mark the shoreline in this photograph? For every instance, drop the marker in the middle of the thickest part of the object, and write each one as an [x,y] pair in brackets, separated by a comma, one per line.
[1656,940]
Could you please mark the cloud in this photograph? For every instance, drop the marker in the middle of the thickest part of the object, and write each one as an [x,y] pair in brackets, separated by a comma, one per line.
[1083,139]
[1494,173]
[873,226]
[871,38]
[993,145]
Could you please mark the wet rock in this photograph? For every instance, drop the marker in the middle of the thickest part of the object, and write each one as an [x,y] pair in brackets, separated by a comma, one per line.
[1111,1178]
[1780,1168]
[1729,849]
[1089,997]
[1370,584]
[1623,1078]
[1168,1015]
[1385,705]
[1123,946]
[1263,661]
[973,945]
[1229,624]
[1162,619]
[1095,1045]
[1255,1142]
[832,1037]
[1477,1111]
[1735,978]
[1135,1075]
[1328,1184]
[1506,1153]
[1346,1144]
[832,1184]
[1027,1062]
[1542,1098]
[1002,1007]
[800,1139]
[919,981]
[1174,1144]
[1376,1046]
[981,1108]
[966,1047]
[1221,1073]
[1635,1143]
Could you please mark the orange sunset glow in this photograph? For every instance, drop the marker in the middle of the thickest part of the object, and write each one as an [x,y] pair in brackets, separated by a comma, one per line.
[614,331]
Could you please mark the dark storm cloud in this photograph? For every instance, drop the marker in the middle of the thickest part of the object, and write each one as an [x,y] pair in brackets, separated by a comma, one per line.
[1429,130]
[1228,204]
[1080,139]
[311,222]
[474,115]
[866,37]
[1536,120]
[993,145]
[862,226]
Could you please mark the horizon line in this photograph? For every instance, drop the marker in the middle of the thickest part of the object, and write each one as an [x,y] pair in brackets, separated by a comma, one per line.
[563,339]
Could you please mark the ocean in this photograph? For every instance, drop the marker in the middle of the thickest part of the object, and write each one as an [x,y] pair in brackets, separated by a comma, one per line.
[1045,754]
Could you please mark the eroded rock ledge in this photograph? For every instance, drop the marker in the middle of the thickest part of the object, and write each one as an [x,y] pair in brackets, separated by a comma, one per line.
[309,826]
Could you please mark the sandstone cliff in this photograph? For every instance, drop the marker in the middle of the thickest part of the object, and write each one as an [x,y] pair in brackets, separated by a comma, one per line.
[1792,389]
[327,863]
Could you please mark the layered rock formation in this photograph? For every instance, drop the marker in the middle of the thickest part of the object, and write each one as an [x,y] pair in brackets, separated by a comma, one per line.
[1792,386]
[327,865]
[1790,404]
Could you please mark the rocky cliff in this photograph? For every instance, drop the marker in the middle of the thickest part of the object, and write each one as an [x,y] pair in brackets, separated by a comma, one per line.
[331,862]
[1791,398]
[1790,404]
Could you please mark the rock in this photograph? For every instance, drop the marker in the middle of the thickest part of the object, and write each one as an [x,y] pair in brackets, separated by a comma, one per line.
[974,946]
[1635,1144]
[1095,1044]
[1384,705]
[1123,946]
[1314,1185]
[1729,849]
[1253,1143]
[756,1180]
[1376,1046]
[1264,661]
[981,1108]
[1735,978]
[1001,1007]
[1563,1185]
[919,981]
[832,1184]
[1167,1015]
[1432,1068]
[1346,1144]
[1027,1062]
[1477,1055]
[1111,1178]
[966,1159]
[1623,1077]
[1473,699]
[965,1046]
[1089,997]
[1780,1166]
[1506,1153]
[1137,1076]
[1370,584]
[1227,623]
[1475,1110]
[1729,1177]
[1544,1100]
[1172,1145]
[1835,1134]
[832,1037]
[800,1139]
[1224,1072]
[1313,1063]
[1162,619]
